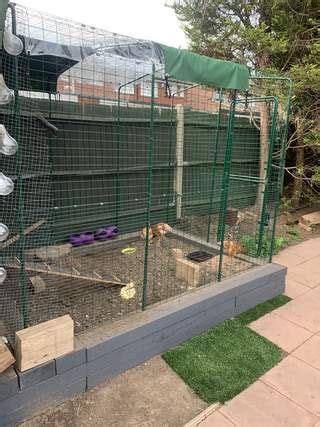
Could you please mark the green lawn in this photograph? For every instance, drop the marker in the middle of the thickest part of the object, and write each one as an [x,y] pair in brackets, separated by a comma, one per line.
[222,362]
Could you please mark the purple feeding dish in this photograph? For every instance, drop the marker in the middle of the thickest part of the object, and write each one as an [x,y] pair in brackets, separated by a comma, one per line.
[81,239]
[87,237]
[112,231]
[106,233]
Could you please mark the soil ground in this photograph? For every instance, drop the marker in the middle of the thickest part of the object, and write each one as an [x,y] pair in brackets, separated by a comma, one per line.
[288,228]
[150,394]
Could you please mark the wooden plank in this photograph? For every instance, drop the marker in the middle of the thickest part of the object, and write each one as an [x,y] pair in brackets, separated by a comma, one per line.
[311,218]
[46,341]
[6,357]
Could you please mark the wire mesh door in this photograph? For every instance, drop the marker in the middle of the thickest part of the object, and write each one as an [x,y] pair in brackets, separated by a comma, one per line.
[246,228]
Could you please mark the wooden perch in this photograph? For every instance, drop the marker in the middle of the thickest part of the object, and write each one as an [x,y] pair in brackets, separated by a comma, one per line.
[26,231]
[36,269]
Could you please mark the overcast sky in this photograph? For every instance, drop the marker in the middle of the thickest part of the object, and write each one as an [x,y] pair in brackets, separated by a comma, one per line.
[147,19]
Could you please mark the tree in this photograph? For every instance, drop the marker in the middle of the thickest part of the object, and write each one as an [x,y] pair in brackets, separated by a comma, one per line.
[277,36]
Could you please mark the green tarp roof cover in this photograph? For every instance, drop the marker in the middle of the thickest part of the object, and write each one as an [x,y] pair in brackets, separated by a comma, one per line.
[187,66]
[122,57]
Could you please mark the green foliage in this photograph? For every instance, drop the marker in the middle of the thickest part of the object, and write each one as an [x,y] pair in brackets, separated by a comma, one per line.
[294,233]
[222,362]
[285,204]
[278,36]
[250,244]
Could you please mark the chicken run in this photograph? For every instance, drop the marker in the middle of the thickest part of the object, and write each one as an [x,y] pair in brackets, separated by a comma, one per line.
[131,172]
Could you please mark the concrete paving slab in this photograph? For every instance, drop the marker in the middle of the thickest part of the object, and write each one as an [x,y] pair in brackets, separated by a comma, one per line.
[309,352]
[294,289]
[303,311]
[306,250]
[297,381]
[288,259]
[283,333]
[313,265]
[303,276]
[262,406]
[217,419]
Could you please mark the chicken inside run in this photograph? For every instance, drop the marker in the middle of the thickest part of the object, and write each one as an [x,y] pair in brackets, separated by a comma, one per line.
[108,268]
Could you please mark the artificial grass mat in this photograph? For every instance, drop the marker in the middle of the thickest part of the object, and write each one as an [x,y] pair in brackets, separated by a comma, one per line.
[225,360]
[262,309]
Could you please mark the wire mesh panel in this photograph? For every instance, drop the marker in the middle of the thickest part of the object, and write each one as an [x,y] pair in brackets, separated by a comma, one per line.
[130,186]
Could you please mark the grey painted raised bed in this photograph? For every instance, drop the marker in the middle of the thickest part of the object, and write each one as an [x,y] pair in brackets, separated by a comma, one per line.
[112,348]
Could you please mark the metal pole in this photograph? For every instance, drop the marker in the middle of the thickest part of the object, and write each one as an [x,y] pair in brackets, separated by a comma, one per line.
[149,192]
[214,164]
[118,159]
[225,184]
[117,207]
[20,184]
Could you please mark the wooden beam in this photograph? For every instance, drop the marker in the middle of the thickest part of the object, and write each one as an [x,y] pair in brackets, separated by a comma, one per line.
[179,159]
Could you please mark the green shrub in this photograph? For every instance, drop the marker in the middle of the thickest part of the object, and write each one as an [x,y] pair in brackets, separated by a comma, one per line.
[250,244]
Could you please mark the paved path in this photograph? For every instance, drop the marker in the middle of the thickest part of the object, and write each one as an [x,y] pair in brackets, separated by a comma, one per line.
[289,394]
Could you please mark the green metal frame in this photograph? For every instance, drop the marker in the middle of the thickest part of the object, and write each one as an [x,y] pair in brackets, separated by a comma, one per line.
[289,83]
[117,207]
[226,176]
[149,191]
[225,185]
[214,165]
[19,186]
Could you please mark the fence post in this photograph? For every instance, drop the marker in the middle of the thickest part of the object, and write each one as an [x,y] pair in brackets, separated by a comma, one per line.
[170,160]
[179,159]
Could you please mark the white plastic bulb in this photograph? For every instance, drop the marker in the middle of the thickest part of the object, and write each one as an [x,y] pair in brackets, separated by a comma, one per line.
[6,95]
[12,43]
[8,145]
[3,275]
[4,232]
[6,185]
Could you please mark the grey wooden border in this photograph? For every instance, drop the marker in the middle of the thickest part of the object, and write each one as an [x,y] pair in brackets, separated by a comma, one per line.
[112,348]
